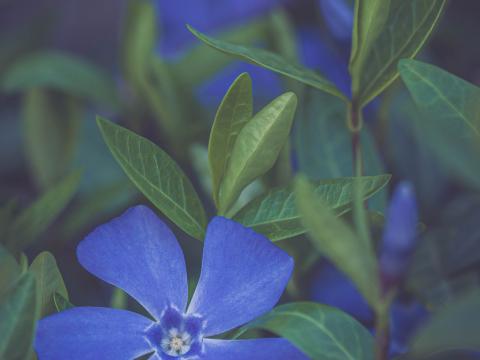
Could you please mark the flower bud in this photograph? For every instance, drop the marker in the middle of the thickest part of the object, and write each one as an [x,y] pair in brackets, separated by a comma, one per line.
[399,236]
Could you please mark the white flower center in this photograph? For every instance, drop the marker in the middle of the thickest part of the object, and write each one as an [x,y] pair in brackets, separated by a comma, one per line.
[176,343]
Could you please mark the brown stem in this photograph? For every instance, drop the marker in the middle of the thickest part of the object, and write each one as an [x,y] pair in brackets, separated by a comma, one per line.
[382,337]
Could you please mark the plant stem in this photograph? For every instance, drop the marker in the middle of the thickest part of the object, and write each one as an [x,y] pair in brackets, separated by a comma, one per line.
[355,123]
[382,335]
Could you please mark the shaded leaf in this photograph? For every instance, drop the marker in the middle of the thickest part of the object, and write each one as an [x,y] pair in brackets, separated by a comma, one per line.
[18,311]
[9,270]
[48,281]
[157,176]
[234,112]
[209,62]
[61,303]
[257,147]
[150,77]
[63,72]
[103,202]
[275,215]
[139,40]
[456,326]
[369,21]
[409,24]
[451,127]
[35,219]
[320,331]
[323,143]
[272,62]
[336,240]
[50,129]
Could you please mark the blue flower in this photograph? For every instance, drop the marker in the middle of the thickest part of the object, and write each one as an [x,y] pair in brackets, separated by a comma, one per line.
[399,236]
[243,275]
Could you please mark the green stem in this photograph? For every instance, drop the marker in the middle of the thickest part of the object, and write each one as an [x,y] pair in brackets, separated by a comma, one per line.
[355,124]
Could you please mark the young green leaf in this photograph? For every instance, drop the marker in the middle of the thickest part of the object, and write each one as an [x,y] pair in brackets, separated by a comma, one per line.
[257,147]
[18,312]
[336,240]
[59,71]
[409,24]
[157,176]
[48,280]
[456,326]
[272,62]
[234,112]
[451,125]
[322,332]
[37,217]
[275,215]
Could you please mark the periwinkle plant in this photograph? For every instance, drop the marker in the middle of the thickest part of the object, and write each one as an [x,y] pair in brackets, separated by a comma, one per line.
[243,276]
[361,304]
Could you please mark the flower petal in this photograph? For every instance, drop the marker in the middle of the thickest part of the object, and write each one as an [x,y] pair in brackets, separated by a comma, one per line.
[85,333]
[243,276]
[138,253]
[255,349]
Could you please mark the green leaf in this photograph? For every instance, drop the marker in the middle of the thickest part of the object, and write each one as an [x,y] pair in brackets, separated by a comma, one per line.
[234,112]
[35,219]
[456,326]
[451,125]
[6,216]
[320,331]
[369,21]
[9,270]
[139,40]
[275,215]
[61,303]
[50,129]
[103,202]
[63,72]
[272,62]
[257,147]
[49,281]
[157,176]
[336,240]
[409,24]
[18,312]
[323,145]
[151,78]
[208,61]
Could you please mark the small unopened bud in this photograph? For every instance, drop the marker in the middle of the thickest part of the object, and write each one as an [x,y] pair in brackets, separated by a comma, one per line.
[399,236]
